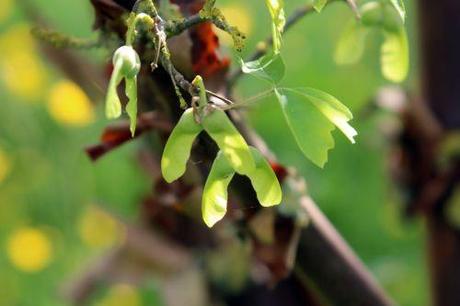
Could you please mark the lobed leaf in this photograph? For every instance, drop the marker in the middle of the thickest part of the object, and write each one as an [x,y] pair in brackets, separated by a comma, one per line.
[270,68]
[229,140]
[331,108]
[350,46]
[178,147]
[311,115]
[311,130]
[264,181]
[276,9]
[215,194]
[394,56]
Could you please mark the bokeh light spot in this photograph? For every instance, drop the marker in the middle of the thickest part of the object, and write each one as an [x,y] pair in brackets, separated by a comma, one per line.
[29,249]
[236,15]
[98,229]
[69,105]
[5,9]
[21,70]
[122,294]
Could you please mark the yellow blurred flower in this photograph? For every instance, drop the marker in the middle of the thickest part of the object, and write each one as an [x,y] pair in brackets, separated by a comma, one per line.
[21,70]
[98,229]
[5,9]
[29,249]
[68,104]
[122,294]
[236,15]
[5,166]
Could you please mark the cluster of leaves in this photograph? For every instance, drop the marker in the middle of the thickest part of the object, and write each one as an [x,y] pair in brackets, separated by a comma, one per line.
[311,114]
[388,17]
[235,156]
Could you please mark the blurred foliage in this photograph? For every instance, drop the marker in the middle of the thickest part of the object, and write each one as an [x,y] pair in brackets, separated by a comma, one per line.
[55,204]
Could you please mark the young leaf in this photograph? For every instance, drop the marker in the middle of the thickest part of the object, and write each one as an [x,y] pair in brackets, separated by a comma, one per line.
[311,115]
[394,56]
[215,194]
[351,43]
[318,5]
[178,146]
[331,108]
[264,181]
[372,14]
[270,68]
[131,107]
[112,102]
[311,130]
[229,140]
[400,8]
[276,9]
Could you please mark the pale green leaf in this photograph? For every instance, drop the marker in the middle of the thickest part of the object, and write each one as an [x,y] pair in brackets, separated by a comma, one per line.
[131,107]
[311,115]
[331,108]
[264,181]
[394,56]
[112,101]
[215,194]
[229,140]
[311,130]
[400,8]
[372,14]
[178,147]
[318,5]
[270,68]
[350,46]
[276,9]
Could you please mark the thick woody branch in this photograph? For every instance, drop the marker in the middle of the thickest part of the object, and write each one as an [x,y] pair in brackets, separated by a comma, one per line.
[323,255]
[326,259]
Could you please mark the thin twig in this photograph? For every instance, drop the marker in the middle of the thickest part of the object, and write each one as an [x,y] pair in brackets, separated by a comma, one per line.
[224,99]
[354,7]
[249,100]
[174,28]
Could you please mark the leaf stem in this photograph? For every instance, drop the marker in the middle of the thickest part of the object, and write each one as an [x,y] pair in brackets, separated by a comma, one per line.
[249,100]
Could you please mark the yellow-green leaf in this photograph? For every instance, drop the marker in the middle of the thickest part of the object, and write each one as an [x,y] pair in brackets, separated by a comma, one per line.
[112,101]
[350,46]
[276,9]
[264,181]
[229,140]
[311,115]
[131,107]
[372,14]
[318,5]
[394,56]
[270,68]
[178,147]
[215,194]
[331,108]
[311,130]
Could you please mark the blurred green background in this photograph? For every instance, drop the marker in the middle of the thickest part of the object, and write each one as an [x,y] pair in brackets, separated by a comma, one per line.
[53,200]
